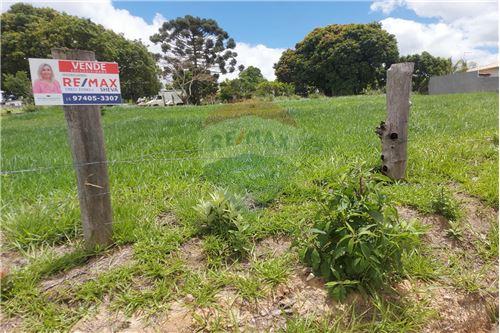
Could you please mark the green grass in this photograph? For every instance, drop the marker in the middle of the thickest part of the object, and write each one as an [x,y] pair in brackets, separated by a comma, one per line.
[168,159]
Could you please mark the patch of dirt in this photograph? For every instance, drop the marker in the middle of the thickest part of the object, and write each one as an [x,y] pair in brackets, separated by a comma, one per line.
[303,294]
[272,247]
[477,214]
[167,219]
[457,312]
[251,203]
[10,324]
[191,252]
[438,225]
[12,260]
[104,320]
[178,319]
[93,268]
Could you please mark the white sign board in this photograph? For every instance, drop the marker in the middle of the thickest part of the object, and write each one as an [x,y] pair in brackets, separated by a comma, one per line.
[74,82]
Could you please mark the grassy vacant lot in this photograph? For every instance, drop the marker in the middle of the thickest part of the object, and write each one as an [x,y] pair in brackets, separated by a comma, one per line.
[162,274]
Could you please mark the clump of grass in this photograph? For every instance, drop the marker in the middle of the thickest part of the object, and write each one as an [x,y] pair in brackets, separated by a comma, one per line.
[444,204]
[489,247]
[418,263]
[221,216]
[455,229]
[249,287]
[216,250]
[275,270]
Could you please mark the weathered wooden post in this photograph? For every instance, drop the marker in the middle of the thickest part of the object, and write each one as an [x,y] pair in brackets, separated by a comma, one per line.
[394,131]
[86,138]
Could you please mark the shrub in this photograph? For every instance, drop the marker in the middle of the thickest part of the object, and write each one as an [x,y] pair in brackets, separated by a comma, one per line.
[221,217]
[274,89]
[358,239]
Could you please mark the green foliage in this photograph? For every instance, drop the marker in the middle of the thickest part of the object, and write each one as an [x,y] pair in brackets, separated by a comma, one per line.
[444,204]
[231,90]
[426,66]
[243,87]
[29,32]
[274,89]
[358,239]
[250,78]
[454,139]
[221,216]
[192,48]
[274,270]
[339,59]
[29,108]
[18,84]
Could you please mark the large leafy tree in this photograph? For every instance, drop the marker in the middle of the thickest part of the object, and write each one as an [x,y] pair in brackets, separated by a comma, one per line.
[195,51]
[250,78]
[426,66]
[339,59]
[29,32]
[243,87]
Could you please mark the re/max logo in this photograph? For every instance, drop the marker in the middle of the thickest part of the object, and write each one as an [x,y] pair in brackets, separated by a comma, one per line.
[99,83]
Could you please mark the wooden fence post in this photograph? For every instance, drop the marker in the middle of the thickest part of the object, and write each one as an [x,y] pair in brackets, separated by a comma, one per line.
[394,131]
[86,138]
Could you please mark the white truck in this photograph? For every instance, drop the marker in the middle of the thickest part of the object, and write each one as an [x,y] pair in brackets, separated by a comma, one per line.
[165,98]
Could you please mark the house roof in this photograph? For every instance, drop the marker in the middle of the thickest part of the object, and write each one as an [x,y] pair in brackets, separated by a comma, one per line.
[493,65]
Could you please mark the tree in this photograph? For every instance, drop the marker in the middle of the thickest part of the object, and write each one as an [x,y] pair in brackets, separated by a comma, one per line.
[426,66]
[243,87]
[198,47]
[231,90]
[29,32]
[250,78]
[339,59]
[274,89]
[18,85]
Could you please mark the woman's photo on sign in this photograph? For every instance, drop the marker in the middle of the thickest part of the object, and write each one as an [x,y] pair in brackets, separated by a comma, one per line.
[46,82]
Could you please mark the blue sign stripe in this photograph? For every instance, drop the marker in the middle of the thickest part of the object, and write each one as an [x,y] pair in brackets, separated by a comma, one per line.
[91,99]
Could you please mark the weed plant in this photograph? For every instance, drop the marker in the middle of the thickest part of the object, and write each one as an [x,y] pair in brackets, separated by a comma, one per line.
[357,240]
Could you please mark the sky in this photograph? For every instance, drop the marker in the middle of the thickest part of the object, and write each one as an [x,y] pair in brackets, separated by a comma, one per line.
[263,29]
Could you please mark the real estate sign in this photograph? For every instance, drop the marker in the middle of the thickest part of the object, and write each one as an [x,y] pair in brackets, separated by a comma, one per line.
[74,82]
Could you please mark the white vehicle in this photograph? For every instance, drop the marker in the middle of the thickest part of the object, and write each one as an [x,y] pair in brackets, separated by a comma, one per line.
[165,98]
[156,101]
[14,104]
[142,101]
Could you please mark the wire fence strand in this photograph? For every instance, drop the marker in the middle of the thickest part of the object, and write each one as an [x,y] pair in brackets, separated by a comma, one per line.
[152,157]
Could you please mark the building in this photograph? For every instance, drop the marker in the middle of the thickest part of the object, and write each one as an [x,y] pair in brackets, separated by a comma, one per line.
[486,71]
[483,78]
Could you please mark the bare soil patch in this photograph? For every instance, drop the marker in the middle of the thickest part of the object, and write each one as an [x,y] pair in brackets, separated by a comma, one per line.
[103,319]
[300,295]
[191,252]
[272,247]
[166,219]
[94,267]
[457,310]
[12,260]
